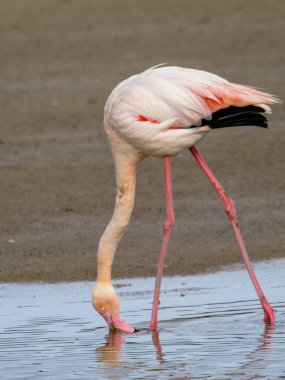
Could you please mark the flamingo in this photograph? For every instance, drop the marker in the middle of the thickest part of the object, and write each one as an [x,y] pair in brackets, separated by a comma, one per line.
[161,112]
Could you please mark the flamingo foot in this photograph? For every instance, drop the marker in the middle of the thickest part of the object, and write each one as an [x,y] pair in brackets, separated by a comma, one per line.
[269,315]
[115,322]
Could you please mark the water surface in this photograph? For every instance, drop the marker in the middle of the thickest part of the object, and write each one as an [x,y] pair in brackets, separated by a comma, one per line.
[210,327]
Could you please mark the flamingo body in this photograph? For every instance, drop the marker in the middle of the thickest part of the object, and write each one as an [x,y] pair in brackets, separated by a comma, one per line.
[152,111]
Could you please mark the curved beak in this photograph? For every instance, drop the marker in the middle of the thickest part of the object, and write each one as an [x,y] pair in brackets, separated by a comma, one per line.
[115,322]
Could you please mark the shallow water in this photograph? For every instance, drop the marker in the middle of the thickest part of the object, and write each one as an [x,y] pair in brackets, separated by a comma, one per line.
[210,327]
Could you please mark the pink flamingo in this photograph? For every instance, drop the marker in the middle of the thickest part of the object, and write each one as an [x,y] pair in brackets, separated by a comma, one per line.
[161,112]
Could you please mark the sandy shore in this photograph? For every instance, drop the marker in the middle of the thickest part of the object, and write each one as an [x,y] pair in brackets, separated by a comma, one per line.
[59,61]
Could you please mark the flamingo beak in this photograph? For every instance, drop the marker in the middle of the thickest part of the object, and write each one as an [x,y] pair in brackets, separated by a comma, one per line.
[116,323]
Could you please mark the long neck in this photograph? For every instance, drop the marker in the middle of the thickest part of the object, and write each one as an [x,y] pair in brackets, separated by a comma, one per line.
[126,184]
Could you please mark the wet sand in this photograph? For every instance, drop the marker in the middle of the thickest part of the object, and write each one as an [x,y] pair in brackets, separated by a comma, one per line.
[210,327]
[59,61]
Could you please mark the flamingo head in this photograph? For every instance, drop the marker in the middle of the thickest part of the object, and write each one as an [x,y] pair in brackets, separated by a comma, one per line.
[106,303]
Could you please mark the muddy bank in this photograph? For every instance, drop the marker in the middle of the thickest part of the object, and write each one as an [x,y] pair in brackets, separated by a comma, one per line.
[59,62]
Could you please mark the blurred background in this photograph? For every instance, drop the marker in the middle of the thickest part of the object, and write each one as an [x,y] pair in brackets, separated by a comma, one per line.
[60,59]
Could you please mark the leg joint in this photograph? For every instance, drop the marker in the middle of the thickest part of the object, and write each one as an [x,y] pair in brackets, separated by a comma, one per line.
[229,206]
[169,222]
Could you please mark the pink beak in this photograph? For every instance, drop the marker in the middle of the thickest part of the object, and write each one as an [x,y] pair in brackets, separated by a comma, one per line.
[116,323]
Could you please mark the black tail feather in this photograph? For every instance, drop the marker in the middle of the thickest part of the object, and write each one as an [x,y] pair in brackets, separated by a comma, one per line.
[237,116]
[245,122]
[232,110]
[239,120]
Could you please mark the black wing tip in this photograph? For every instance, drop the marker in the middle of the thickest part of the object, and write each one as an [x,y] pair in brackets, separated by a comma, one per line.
[241,123]
[237,116]
[234,110]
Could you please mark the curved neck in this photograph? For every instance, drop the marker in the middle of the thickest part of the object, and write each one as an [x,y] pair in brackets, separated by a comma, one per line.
[126,184]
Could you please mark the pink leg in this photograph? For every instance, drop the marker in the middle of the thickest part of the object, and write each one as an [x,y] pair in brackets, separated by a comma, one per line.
[231,211]
[167,229]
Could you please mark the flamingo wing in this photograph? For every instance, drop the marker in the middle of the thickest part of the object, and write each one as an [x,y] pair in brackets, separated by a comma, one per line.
[186,95]
[163,99]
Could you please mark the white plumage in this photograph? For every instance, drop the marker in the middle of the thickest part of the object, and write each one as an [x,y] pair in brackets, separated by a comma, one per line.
[152,110]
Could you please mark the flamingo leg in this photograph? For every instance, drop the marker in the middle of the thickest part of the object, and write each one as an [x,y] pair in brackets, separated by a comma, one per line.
[167,229]
[231,212]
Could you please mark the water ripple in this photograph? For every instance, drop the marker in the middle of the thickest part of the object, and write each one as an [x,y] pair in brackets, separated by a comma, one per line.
[214,331]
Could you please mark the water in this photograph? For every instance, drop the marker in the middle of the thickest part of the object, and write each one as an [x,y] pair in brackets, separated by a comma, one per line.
[210,327]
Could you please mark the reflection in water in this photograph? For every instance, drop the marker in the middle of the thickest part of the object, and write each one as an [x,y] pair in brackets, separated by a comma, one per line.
[267,338]
[110,352]
[256,359]
[215,331]
[158,349]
